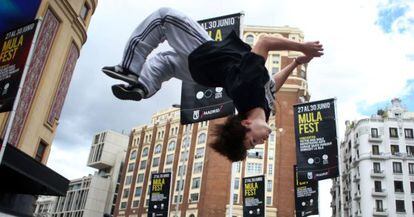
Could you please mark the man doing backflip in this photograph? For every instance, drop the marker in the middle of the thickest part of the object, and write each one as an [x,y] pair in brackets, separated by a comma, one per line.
[231,64]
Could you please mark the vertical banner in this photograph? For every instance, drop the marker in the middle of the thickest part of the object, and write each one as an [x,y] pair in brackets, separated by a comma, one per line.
[15,47]
[316,140]
[254,196]
[306,196]
[159,195]
[199,103]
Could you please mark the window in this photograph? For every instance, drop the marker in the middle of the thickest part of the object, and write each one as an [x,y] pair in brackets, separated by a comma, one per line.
[184,156]
[143,164]
[157,149]
[275,59]
[123,205]
[377,167]
[236,183]
[126,193]
[396,167]
[131,167]
[133,155]
[250,39]
[138,191]
[254,168]
[171,146]
[399,205]
[199,153]
[411,168]
[379,206]
[96,140]
[268,201]
[176,197]
[198,167]
[378,187]
[167,170]
[145,152]
[41,149]
[194,197]
[270,169]
[201,138]
[393,132]
[238,167]
[275,70]
[271,154]
[135,203]
[170,158]
[398,186]
[180,185]
[395,149]
[181,170]
[374,133]
[186,142]
[269,185]
[196,183]
[235,198]
[156,162]
[408,133]
[84,11]
[140,178]
[412,187]
[375,149]
[128,180]
[410,150]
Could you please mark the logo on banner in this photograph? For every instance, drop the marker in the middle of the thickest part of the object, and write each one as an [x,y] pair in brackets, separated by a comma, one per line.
[196,114]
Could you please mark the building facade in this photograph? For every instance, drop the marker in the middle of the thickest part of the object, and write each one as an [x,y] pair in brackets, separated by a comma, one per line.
[377,165]
[61,36]
[45,205]
[95,195]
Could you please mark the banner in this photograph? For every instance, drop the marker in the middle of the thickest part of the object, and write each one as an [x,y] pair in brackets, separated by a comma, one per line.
[15,13]
[254,196]
[306,196]
[15,48]
[316,140]
[199,103]
[159,195]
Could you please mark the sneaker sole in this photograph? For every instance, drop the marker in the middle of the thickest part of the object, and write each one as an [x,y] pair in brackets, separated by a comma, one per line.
[121,77]
[122,93]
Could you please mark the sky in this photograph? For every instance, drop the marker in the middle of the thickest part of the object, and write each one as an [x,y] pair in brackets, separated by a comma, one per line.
[369,59]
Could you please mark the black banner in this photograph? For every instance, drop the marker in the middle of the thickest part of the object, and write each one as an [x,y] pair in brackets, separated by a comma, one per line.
[159,195]
[254,196]
[306,196]
[199,103]
[15,48]
[316,140]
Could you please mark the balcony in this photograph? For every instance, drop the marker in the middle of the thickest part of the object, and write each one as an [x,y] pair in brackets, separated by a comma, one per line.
[379,192]
[398,155]
[375,138]
[378,156]
[356,143]
[380,212]
[377,174]
[357,178]
[333,204]
[358,213]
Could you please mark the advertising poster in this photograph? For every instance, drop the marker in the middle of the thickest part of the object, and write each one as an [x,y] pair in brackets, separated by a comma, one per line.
[159,195]
[254,196]
[316,140]
[199,103]
[306,196]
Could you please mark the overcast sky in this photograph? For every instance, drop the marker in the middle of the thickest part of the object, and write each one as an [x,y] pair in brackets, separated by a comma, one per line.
[369,59]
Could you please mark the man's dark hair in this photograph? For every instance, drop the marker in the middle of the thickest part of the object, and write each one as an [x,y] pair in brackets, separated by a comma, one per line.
[230,137]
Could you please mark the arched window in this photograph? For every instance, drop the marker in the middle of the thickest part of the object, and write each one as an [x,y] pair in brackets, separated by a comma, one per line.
[201,138]
[145,152]
[133,155]
[250,39]
[192,215]
[171,146]
[157,149]
[186,142]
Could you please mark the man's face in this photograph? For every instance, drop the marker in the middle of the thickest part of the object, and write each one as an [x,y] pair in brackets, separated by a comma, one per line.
[258,132]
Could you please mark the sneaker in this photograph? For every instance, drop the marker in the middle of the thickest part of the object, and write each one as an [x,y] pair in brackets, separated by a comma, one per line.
[128,92]
[120,73]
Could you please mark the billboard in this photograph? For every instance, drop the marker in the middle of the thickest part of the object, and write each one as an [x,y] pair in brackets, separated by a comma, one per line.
[15,47]
[316,140]
[14,13]
[254,196]
[306,196]
[200,103]
[159,195]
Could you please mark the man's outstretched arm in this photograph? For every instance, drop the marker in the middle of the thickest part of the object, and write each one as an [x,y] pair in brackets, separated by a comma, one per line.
[283,74]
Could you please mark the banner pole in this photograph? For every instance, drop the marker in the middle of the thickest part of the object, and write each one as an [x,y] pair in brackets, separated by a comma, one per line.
[19,91]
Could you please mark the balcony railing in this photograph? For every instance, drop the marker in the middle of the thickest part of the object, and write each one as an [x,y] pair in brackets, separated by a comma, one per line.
[377,174]
[380,212]
[375,138]
[378,155]
[379,192]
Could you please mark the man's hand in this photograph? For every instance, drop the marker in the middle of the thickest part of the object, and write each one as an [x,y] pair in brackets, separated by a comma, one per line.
[312,48]
[303,59]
